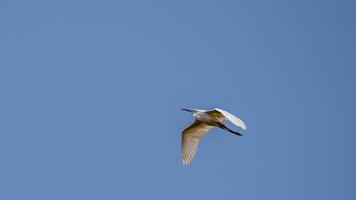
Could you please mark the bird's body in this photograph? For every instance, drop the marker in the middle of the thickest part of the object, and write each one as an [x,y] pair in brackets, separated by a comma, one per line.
[204,121]
[204,117]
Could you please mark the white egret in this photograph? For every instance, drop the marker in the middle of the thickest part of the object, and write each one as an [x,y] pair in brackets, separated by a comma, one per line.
[204,121]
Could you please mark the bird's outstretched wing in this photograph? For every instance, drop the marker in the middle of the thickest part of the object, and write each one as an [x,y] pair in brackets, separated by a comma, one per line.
[226,115]
[190,139]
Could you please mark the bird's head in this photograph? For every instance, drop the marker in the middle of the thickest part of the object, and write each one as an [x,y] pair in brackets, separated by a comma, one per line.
[188,110]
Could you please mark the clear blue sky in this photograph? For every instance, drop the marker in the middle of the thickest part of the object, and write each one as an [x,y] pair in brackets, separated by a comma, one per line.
[90,93]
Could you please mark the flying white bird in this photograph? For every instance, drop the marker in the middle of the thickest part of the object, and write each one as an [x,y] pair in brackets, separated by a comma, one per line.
[204,121]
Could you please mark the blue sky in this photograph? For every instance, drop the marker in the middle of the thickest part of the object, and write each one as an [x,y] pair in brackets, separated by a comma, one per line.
[91,91]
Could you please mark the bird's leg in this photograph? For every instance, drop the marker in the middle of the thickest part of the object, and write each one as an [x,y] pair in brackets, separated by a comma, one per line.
[222,126]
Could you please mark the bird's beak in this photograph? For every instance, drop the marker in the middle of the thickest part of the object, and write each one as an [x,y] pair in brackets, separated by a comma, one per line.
[186,110]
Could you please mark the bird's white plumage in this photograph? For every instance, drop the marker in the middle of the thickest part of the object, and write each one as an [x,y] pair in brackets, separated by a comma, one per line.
[205,120]
[235,120]
[190,139]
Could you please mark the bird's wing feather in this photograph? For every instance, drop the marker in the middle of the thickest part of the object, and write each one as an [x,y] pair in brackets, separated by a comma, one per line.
[191,136]
[235,120]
